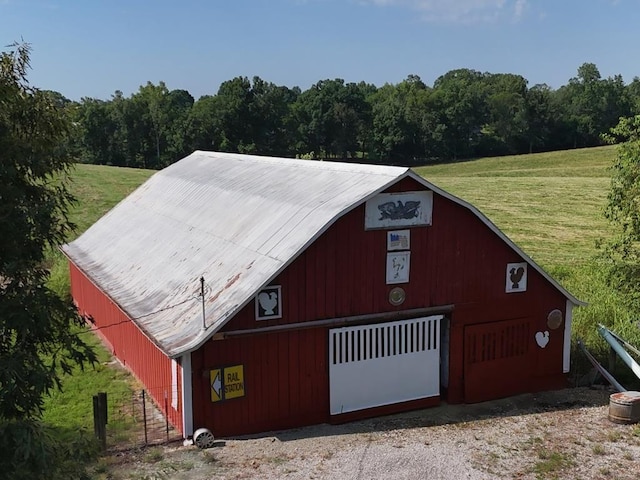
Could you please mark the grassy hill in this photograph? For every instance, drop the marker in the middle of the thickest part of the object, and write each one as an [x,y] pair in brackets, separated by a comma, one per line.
[99,188]
[550,204]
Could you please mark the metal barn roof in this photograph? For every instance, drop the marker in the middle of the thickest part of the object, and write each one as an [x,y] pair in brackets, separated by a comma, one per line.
[236,220]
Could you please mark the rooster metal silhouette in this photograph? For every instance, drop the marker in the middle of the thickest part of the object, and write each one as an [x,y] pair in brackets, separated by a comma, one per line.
[515,275]
[268,302]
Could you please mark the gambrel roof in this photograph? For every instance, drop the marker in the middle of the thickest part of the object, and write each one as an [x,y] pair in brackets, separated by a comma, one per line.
[236,220]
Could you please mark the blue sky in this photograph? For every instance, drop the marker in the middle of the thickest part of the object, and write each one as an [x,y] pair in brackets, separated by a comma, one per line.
[90,48]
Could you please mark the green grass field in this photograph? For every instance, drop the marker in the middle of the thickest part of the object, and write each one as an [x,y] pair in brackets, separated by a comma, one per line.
[550,204]
[97,189]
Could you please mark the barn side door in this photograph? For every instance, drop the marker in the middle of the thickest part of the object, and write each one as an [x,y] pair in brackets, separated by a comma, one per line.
[497,359]
[383,364]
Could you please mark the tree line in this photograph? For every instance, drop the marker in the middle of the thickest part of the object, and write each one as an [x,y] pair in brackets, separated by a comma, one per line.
[465,114]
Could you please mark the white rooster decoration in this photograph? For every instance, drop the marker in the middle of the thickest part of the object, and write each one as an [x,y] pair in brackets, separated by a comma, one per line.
[268,302]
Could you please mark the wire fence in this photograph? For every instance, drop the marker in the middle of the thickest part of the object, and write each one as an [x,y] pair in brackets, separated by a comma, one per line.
[126,422]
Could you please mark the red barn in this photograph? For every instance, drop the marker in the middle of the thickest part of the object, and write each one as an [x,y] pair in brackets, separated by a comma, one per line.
[330,292]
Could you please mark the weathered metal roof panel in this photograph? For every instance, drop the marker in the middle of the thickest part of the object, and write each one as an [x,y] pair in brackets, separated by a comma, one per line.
[236,220]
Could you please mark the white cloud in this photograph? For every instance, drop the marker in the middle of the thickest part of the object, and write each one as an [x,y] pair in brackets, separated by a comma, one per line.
[519,8]
[461,11]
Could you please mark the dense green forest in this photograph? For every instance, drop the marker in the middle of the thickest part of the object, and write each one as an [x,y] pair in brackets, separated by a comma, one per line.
[465,114]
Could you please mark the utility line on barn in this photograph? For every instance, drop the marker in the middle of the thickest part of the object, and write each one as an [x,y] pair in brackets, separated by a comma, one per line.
[199,296]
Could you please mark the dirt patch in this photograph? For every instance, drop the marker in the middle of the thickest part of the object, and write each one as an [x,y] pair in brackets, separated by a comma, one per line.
[563,434]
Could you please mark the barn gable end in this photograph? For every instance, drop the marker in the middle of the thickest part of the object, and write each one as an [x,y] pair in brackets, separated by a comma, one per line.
[339,281]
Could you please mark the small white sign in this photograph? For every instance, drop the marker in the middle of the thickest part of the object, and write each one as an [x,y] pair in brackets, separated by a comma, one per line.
[516,277]
[399,240]
[269,303]
[404,209]
[398,267]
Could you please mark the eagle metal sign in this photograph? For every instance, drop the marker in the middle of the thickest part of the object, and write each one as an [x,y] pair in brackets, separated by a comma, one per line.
[406,209]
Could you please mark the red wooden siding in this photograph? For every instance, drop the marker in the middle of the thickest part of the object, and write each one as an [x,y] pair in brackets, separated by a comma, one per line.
[503,349]
[127,343]
[457,260]
[285,377]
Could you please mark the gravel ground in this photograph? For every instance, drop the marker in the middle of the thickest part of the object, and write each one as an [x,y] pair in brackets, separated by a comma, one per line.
[563,435]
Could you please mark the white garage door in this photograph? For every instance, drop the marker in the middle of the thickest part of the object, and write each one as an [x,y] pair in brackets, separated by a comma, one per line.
[385,363]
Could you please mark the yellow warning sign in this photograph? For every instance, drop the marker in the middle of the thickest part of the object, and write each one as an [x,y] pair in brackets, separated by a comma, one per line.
[227,383]
[215,377]
[234,381]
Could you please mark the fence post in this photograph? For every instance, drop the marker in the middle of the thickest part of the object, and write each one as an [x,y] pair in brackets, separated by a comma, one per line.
[99,419]
[102,401]
[144,417]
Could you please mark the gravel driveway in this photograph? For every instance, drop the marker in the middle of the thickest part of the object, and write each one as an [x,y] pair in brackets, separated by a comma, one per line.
[563,434]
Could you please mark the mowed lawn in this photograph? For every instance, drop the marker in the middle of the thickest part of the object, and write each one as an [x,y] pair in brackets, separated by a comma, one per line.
[97,189]
[550,204]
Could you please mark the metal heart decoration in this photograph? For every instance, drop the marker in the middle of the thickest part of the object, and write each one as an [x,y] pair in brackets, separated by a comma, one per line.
[542,338]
